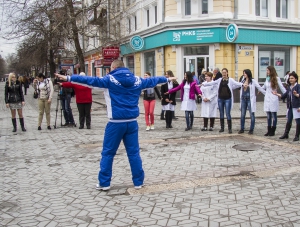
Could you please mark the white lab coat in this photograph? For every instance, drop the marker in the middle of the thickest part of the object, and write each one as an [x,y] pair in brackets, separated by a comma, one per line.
[232,84]
[271,102]
[252,87]
[209,109]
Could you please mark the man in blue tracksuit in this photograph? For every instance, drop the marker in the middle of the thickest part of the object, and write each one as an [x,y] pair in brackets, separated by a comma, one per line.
[122,94]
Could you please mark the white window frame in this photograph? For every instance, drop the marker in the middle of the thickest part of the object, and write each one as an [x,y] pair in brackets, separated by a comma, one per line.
[201,7]
[281,12]
[261,9]
[184,8]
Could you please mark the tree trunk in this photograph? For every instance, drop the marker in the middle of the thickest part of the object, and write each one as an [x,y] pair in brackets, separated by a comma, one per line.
[75,34]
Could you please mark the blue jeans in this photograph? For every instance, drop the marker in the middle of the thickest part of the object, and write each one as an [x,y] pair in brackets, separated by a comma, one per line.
[114,133]
[66,107]
[290,117]
[270,116]
[246,104]
[224,103]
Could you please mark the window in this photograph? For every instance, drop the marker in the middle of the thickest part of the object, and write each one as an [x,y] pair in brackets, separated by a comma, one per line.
[150,65]
[155,14]
[281,8]
[196,50]
[204,6]
[261,8]
[187,7]
[129,25]
[86,70]
[148,18]
[135,23]
[277,56]
[130,63]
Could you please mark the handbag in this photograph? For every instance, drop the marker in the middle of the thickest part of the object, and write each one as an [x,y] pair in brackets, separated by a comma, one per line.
[35,94]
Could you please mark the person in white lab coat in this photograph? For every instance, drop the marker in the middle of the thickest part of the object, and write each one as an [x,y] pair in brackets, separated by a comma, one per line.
[271,102]
[248,99]
[225,87]
[209,102]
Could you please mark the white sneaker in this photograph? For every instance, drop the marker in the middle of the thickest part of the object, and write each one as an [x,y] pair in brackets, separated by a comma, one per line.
[138,187]
[147,128]
[152,127]
[98,187]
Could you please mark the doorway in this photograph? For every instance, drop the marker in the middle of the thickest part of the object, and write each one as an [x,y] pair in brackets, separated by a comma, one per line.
[196,64]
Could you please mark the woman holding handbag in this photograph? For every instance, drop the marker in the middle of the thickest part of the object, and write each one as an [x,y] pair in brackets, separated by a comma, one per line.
[14,100]
[44,87]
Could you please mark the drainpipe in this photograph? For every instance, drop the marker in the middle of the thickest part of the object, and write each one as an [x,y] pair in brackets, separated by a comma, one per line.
[236,45]
[162,48]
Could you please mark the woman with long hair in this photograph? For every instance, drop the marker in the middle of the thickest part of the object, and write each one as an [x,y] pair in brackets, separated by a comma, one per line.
[168,100]
[248,99]
[188,89]
[292,95]
[225,86]
[14,100]
[271,102]
[149,103]
[209,103]
[44,87]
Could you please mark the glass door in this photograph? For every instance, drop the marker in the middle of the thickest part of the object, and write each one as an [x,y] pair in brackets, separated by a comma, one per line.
[196,64]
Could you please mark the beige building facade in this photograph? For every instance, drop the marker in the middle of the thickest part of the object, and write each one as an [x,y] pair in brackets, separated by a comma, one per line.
[191,35]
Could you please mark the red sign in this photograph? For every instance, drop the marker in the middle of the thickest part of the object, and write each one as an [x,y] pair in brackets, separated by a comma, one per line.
[97,63]
[111,52]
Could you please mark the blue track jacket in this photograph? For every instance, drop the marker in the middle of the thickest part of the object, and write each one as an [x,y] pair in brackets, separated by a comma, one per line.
[122,91]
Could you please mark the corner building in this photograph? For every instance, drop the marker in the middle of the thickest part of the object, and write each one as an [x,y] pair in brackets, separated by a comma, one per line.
[191,35]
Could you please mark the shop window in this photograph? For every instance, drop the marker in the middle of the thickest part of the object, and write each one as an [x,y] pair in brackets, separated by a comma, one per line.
[196,50]
[94,70]
[187,7]
[261,8]
[204,6]
[150,65]
[130,63]
[281,8]
[279,57]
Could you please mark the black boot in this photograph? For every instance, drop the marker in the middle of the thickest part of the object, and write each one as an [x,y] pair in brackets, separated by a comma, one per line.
[14,122]
[173,115]
[205,124]
[286,132]
[229,122]
[297,133]
[222,125]
[22,124]
[167,118]
[162,115]
[272,132]
[269,131]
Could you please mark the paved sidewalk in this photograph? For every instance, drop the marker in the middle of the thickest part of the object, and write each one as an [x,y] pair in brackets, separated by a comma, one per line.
[192,178]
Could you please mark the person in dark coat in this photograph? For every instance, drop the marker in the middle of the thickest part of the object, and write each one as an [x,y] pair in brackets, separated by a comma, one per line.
[14,100]
[217,74]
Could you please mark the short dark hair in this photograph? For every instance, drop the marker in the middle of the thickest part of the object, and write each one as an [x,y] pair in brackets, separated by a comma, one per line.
[294,75]
[41,75]
[148,73]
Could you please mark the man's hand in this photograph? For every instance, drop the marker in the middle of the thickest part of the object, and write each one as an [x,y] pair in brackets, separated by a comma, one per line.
[61,77]
[7,105]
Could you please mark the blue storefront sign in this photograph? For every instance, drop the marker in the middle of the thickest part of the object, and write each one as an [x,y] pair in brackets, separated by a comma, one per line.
[213,35]
[137,42]
[232,33]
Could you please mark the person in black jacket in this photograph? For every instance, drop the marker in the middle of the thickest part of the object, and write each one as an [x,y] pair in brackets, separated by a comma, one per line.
[292,95]
[168,100]
[149,103]
[14,99]
[217,74]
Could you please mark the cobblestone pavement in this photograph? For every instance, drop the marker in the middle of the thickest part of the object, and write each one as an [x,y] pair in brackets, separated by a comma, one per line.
[192,178]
